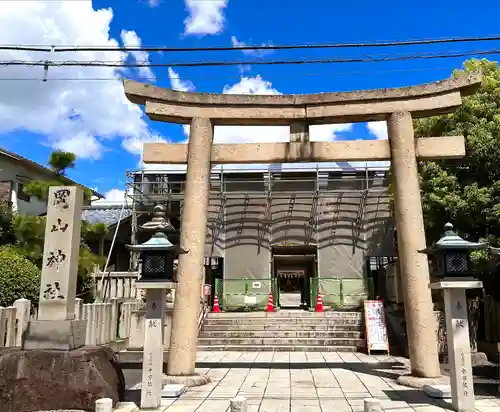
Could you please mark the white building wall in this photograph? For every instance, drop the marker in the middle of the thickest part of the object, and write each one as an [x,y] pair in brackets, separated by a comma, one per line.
[18,173]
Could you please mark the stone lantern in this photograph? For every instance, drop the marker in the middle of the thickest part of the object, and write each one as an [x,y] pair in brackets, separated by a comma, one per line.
[451,264]
[158,253]
[450,255]
[156,278]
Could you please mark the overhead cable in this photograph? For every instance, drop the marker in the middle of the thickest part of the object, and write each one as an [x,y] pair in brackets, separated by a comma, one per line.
[270,47]
[221,63]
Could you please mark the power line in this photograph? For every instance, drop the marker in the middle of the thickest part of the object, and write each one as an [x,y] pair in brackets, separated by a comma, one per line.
[119,63]
[146,78]
[63,49]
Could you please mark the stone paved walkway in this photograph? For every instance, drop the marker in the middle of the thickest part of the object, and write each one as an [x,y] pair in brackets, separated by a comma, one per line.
[307,382]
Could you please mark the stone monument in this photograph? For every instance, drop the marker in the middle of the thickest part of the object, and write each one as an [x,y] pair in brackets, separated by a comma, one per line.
[56,326]
[452,263]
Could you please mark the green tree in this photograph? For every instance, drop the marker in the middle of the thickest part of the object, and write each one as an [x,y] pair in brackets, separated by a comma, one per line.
[466,191]
[59,163]
[19,277]
[7,234]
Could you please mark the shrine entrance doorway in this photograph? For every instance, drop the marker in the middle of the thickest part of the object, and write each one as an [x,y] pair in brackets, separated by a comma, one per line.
[292,271]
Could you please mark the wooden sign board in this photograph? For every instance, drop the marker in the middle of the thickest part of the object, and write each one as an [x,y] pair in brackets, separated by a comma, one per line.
[376,326]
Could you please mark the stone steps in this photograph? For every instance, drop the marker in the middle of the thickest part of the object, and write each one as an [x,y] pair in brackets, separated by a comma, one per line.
[282,331]
[282,341]
[278,348]
[276,327]
[287,321]
[344,334]
[285,314]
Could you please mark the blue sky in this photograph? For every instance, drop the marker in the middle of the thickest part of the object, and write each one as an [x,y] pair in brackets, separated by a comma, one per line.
[90,117]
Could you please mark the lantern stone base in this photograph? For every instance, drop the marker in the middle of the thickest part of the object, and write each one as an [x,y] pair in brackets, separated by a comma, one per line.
[155,284]
[188,381]
[55,334]
[419,383]
[438,391]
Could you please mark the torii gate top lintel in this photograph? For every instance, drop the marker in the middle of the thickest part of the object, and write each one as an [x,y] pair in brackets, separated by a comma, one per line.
[430,99]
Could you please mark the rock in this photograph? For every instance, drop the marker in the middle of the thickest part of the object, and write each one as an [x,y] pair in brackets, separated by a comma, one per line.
[34,380]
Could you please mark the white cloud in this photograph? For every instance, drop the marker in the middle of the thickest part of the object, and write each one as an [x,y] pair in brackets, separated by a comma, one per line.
[179,84]
[134,144]
[257,53]
[205,16]
[113,196]
[153,3]
[86,145]
[131,39]
[378,129]
[262,134]
[78,114]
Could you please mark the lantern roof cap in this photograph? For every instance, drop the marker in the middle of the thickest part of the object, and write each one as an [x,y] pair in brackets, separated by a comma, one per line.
[158,242]
[159,223]
[452,241]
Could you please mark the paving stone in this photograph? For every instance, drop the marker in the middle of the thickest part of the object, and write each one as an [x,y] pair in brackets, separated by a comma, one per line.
[338,405]
[184,405]
[336,389]
[214,405]
[275,405]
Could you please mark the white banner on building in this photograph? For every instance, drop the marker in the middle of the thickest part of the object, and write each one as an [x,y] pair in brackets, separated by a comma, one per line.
[376,326]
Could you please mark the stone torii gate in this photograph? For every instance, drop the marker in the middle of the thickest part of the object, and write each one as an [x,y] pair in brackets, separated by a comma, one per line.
[397,106]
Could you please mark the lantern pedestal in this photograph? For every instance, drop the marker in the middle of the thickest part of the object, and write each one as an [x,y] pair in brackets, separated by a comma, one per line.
[457,328]
[152,363]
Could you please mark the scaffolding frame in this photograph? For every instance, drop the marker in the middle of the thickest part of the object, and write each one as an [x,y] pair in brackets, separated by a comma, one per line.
[148,187]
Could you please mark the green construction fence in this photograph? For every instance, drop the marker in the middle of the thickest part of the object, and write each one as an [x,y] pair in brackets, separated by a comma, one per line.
[252,294]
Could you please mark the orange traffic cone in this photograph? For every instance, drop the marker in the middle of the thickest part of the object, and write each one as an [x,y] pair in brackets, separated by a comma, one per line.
[270,303]
[216,307]
[319,304]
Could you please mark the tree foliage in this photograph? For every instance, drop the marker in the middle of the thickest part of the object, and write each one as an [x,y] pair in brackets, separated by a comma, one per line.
[59,162]
[466,191]
[7,235]
[19,277]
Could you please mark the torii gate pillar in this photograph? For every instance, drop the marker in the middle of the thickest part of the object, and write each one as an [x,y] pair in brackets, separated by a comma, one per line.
[422,345]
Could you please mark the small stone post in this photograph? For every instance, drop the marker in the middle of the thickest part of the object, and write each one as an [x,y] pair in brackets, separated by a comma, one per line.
[372,405]
[104,405]
[56,327]
[238,404]
[78,308]
[23,308]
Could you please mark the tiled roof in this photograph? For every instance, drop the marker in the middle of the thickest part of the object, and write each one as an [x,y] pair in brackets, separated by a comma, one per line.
[108,214]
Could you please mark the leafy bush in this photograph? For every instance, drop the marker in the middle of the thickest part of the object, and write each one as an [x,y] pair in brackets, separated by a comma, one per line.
[19,277]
